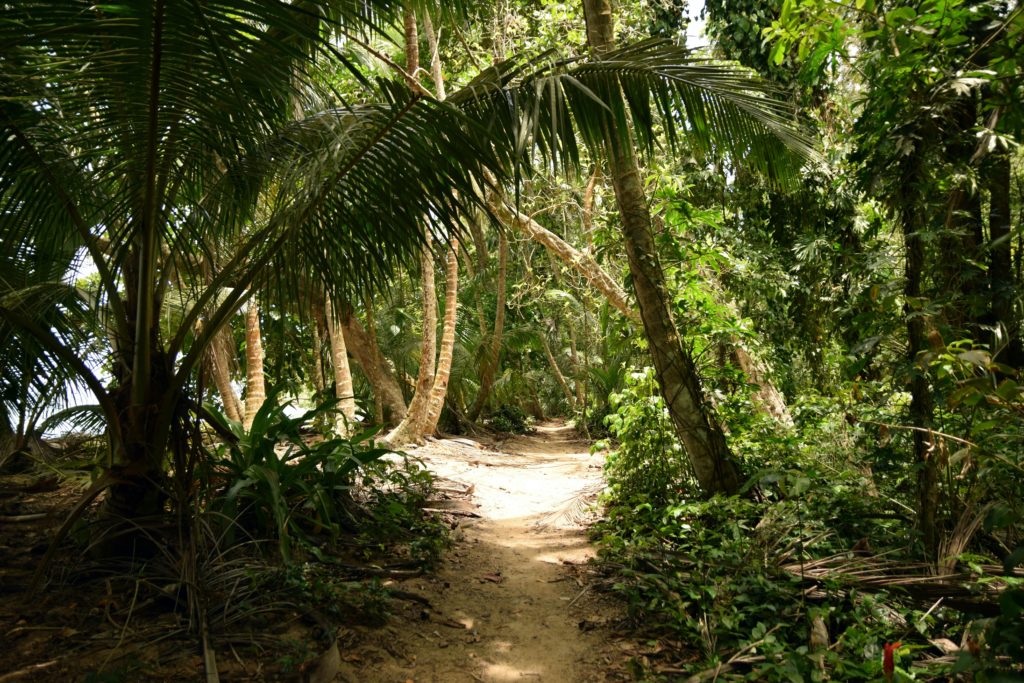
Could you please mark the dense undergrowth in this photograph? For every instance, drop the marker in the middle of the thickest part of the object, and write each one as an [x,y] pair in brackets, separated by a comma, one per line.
[817,569]
[295,531]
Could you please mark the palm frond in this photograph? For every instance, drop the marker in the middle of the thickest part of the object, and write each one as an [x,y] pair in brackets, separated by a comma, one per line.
[716,108]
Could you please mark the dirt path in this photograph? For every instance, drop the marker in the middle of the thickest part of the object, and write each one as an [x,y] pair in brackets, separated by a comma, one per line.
[509,602]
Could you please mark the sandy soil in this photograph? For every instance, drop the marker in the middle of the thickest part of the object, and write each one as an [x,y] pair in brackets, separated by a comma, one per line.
[512,600]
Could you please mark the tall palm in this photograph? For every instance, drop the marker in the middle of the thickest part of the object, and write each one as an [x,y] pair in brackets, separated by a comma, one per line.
[719,110]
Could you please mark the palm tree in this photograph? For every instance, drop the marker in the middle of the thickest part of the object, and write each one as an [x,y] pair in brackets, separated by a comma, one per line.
[153,134]
[713,464]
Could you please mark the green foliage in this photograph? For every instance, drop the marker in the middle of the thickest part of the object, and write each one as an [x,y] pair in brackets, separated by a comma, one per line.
[278,484]
[510,419]
[647,466]
[392,495]
[722,576]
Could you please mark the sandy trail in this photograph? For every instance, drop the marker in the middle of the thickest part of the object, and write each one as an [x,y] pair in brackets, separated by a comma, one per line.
[508,601]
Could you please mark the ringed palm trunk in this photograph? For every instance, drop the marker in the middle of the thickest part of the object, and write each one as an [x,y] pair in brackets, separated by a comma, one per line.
[700,433]
[255,380]
[342,372]
[444,356]
[407,429]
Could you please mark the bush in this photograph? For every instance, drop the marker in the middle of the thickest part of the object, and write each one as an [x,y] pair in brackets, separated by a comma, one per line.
[510,419]
[276,484]
[649,464]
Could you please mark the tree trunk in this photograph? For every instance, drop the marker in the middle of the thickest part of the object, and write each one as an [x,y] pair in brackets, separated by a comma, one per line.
[435,56]
[555,370]
[493,357]
[577,369]
[342,373]
[379,374]
[412,43]
[921,407]
[317,330]
[407,429]
[255,382]
[588,208]
[1000,269]
[218,358]
[581,262]
[699,431]
[444,357]
[371,326]
[766,396]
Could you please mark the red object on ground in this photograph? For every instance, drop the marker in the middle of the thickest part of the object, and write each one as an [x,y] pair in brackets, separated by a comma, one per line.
[888,662]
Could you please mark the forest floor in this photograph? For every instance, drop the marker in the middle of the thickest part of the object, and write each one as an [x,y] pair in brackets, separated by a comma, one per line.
[513,598]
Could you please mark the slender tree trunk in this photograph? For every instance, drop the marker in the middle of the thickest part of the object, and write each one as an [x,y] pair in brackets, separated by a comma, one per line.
[493,357]
[699,431]
[444,357]
[435,56]
[588,208]
[412,43]
[431,388]
[577,369]
[371,326]
[255,381]
[1000,269]
[342,373]
[380,375]
[407,429]
[921,408]
[555,370]
[317,329]
[218,358]
[581,262]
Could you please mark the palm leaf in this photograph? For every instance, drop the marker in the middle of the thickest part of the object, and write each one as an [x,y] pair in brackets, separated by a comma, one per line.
[542,104]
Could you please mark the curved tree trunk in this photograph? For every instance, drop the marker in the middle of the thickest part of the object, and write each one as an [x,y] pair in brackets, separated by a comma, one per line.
[406,430]
[342,373]
[378,373]
[444,356]
[702,436]
[218,359]
[493,357]
[581,262]
[555,370]
[255,381]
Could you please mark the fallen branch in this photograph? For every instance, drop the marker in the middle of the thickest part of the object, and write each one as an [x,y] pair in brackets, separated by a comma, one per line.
[17,519]
[27,671]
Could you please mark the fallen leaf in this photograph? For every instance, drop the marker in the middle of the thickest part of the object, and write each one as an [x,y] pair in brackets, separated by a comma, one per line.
[947,646]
